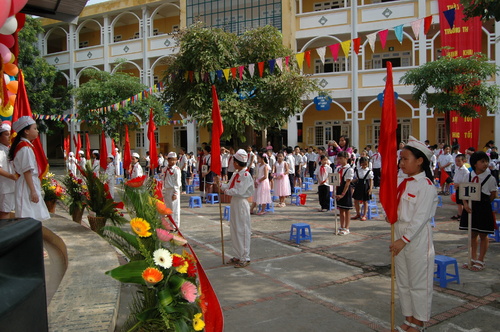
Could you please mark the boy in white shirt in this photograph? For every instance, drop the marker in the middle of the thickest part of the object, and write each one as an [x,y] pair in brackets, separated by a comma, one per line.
[445,160]
[461,176]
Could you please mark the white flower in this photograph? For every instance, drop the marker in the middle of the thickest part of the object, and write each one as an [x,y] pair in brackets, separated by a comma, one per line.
[163,258]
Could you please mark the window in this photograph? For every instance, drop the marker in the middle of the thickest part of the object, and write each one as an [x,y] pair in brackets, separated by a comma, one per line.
[139,138]
[325,131]
[440,130]
[156,32]
[235,16]
[331,66]
[398,59]
[318,6]
[175,28]
[117,38]
[310,136]
[83,44]
[156,79]
[402,133]
[137,35]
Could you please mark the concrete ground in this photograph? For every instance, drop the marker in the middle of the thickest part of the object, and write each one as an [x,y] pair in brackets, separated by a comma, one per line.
[334,283]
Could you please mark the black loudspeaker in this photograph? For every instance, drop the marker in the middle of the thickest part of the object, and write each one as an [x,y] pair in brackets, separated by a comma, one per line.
[23,303]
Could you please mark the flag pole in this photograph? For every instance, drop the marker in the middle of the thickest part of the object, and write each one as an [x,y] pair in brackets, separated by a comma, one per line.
[221,225]
[393,279]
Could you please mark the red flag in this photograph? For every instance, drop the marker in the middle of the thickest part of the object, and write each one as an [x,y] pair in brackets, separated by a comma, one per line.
[388,151]
[153,155]
[104,152]
[78,145]
[87,146]
[127,157]
[113,148]
[443,177]
[66,146]
[22,108]
[217,130]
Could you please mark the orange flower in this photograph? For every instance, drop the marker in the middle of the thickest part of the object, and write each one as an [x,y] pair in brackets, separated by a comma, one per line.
[141,227]
[152,275]
[162,208]
[136,182]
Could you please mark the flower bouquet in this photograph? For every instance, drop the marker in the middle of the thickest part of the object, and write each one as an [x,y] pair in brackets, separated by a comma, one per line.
[51,188]
[74,192]
[97,198]
[171,295]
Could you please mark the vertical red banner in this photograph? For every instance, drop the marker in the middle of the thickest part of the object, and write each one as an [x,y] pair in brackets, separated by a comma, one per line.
[464,39]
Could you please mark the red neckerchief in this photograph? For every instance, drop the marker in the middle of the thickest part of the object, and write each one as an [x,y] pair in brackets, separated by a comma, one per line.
[322,171]
[236,177]
[21,145]
[402,187]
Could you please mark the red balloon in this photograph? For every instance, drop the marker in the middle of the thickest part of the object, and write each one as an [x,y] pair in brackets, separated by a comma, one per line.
[7,40]
[4,13]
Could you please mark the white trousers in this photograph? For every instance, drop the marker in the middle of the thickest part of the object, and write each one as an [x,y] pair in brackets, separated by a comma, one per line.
[241,229]
[415,272]
[175,206]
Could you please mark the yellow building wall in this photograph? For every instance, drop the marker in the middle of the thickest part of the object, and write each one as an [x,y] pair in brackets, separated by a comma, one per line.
[127,31]
[165,25]
[92,37]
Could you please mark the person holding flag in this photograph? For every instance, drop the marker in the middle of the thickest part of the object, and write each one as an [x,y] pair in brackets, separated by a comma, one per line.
[7,175]
[172,187]
[414,248]
[240,187]
[29,202]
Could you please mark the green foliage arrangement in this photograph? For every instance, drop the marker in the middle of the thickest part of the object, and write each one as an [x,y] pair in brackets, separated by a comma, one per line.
[254,102]
[74,192]
[51,188]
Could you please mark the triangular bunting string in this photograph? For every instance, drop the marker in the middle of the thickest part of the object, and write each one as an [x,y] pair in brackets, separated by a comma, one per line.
[346,47]
[272,63]
[398,30]
[279,62]
[372,37]
[415,25]
[334,49]
[261,68]
[321,53]
[356,43]
[287,62]
[383,37]
[427,24]
[241,69]
[450,17]
[251,69]
[233,72]
[307,56]
[300,60]
[226,73]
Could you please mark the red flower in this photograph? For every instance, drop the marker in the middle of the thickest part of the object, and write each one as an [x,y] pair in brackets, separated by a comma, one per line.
[177,260]
[119,205]
[136,182]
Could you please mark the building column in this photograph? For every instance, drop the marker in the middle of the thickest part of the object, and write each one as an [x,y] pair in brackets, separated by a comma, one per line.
[105,35]
[354,78]
[422,59]
[191,135]
[292,131]
[73,127]
[496,127]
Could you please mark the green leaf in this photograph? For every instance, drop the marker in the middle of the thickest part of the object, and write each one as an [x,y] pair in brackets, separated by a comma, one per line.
[148,314]
[130,272]
[165,297]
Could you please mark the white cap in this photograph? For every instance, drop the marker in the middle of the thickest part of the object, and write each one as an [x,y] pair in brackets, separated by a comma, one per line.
[172,155]
[116,149]
[81,152]
[71,154]
[135,155]
[241,155]
[22,122]
[95,151]
[5,126]
[111,156]
[415,143]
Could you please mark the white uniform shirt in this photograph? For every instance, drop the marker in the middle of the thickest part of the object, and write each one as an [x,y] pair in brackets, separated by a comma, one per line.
[376,160]
[362,172]
[290,159]
[323,176]
[243,185]
[136,171]
[172,178]
[311,156]
[183,163]
[7,185]
[417,206]
[110,172]
[224,159]
[251,160]
[489,186]
[461,174]
[230,164]
[444,159]
[347,170]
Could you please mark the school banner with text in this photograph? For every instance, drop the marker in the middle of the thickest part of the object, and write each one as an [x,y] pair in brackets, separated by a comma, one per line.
[463,39]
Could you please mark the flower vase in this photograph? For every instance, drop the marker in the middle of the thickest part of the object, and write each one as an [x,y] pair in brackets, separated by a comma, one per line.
[97,223]
[77,214]
[51,205]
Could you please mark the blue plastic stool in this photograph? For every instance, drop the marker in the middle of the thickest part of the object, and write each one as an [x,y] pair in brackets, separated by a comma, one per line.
[227,211]
[307,186]
[496,235]
[300,233]
[212,198]
[196,182]
[195,201]
[295,199]
[441,275]
[495,205]
[297,190]
[269,207]
[332,204]
[440,201]
[190,189]
[372,210]
[309,180]
[433,223]
[452,189]
[275,198]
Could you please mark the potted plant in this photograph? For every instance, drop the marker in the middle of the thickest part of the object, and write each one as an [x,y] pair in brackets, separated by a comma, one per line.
[98,200]
[52,191]
[74,196]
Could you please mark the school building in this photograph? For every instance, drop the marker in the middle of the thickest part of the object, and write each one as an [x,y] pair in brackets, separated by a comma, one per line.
[140,31]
